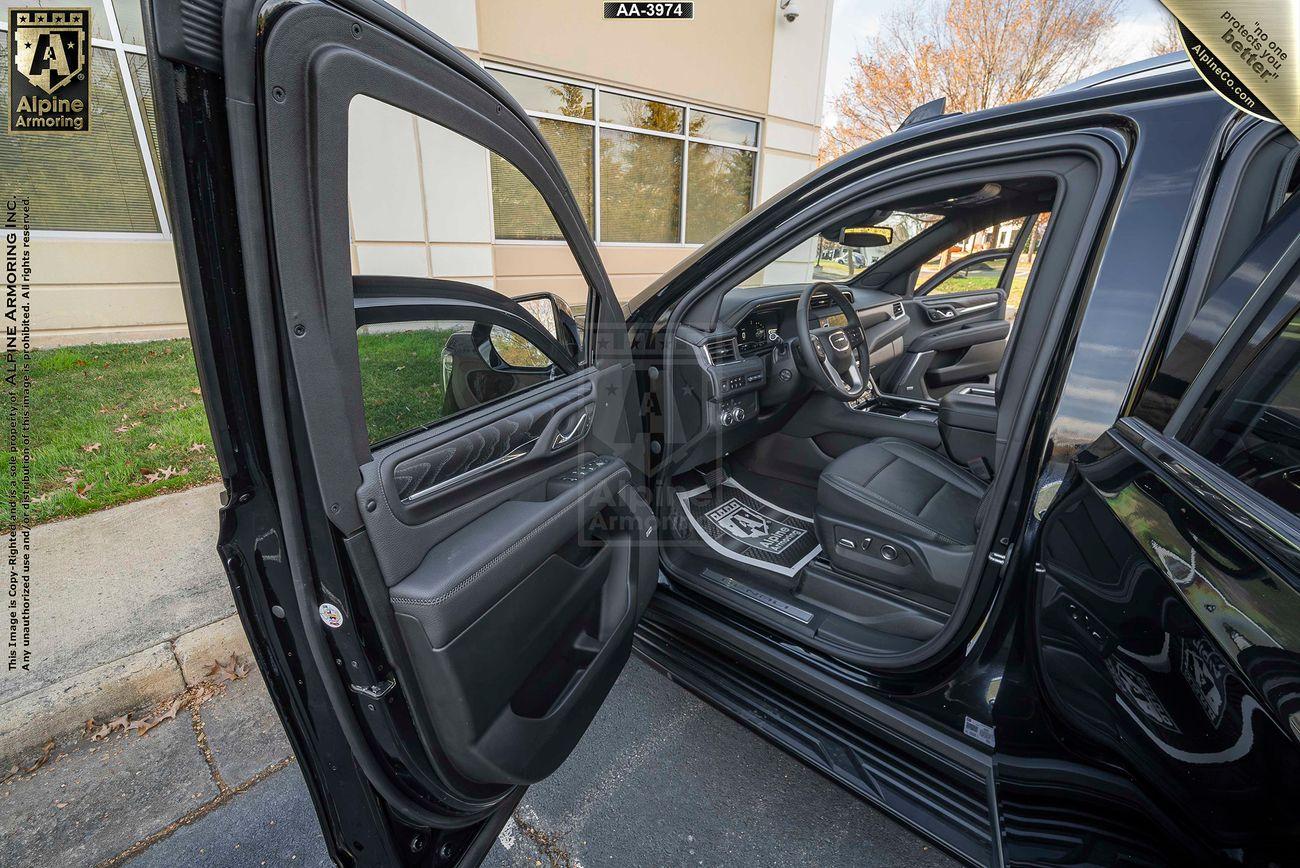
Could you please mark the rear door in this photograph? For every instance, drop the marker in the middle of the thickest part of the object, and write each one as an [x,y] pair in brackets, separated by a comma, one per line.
[1168,598]
[434,524]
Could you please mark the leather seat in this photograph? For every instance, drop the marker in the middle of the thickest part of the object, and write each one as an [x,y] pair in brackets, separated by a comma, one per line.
[898,493]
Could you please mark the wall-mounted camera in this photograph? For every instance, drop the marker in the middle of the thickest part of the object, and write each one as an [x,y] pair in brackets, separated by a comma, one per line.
[790,10]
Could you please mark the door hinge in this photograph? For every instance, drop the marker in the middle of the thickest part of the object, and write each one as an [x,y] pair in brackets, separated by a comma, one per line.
[376,691]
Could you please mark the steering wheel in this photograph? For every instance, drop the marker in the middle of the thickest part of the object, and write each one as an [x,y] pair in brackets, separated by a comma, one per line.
[832,353]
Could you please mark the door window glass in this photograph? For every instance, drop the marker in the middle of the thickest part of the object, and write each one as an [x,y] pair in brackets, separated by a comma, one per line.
[1252,430]
[985,270]
[420,202]
[982,272]
[419,373]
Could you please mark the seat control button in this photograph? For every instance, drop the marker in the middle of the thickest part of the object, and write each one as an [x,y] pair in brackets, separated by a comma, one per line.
[847,543]
[888,552]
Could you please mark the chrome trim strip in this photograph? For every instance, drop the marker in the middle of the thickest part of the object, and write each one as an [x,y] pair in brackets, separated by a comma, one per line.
[975,308]
[519,452]
[803,616]
[1241,504]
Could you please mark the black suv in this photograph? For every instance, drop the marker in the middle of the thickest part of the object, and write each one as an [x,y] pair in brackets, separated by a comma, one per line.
[967,469]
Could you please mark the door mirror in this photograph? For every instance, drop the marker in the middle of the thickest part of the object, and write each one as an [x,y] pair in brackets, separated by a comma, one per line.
[556,317]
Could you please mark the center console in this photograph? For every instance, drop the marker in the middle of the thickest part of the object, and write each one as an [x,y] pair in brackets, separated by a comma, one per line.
[968,424]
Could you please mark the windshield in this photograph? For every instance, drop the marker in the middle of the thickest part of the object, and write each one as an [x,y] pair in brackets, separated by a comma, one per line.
[818,258]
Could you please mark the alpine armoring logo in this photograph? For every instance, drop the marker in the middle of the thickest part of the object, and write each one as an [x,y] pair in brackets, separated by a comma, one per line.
[49,75]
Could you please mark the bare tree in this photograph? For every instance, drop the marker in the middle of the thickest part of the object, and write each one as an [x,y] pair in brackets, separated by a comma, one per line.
[1168,39]
[977,53]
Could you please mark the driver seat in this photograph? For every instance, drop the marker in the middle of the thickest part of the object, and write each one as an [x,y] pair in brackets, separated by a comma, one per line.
[897,512]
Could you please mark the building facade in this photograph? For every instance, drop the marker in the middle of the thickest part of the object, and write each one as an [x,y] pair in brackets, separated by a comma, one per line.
[667,130]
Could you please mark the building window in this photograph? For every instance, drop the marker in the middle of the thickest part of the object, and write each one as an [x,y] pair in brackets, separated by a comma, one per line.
[644,171]
[106,180]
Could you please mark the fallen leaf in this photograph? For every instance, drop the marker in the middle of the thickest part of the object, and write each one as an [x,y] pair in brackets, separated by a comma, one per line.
[168,472]
[197,447]
[82,490]
[90,447]
[17,770]
[196,391]
[121,429]
[151,447]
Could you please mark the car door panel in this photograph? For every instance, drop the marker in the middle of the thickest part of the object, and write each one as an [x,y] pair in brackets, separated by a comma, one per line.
[951,339]
[523,636]
[463,594]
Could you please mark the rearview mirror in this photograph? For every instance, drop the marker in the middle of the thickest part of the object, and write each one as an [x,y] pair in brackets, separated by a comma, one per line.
[861,236]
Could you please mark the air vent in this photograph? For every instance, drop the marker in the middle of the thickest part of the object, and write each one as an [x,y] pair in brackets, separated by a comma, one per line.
[897,311]
[721,350]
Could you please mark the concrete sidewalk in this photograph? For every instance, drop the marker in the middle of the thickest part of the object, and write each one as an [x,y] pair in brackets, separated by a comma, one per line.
[129,606]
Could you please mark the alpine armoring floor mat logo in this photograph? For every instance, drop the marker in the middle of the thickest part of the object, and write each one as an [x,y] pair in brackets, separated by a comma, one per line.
[742,527]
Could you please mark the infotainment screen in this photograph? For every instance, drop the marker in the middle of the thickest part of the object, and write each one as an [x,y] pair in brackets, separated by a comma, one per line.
[757,331]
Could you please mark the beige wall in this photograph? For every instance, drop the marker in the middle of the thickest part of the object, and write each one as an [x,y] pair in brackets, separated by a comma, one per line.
[104,290]
[738,55]
[723,57]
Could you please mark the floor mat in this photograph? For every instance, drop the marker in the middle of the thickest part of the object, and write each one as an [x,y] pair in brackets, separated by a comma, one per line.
[743,527]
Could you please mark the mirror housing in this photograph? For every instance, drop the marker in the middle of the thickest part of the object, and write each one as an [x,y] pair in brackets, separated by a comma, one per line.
[555,316]
[861,236]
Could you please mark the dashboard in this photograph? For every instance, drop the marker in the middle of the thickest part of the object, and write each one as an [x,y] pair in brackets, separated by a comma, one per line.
[745,369]
[756,332]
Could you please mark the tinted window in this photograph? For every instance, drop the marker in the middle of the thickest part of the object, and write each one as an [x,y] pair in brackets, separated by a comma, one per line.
[981,274]
[1253,428]
[426,202]
[415,374]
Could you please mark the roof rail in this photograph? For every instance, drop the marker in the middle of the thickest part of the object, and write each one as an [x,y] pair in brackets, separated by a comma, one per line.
[1171,62]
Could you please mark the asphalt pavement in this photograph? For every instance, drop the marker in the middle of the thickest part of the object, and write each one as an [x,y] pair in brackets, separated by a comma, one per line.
[661,778]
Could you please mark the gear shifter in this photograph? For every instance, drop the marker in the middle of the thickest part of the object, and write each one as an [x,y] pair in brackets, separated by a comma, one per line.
[869,394]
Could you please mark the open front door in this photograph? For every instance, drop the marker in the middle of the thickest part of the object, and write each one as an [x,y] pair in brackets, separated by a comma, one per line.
[434,525]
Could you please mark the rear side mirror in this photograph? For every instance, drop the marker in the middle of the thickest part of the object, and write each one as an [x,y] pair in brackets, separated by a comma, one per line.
[861,236]
[555,316]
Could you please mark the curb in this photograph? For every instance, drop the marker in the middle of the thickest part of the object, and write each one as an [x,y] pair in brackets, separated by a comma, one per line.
[121,685]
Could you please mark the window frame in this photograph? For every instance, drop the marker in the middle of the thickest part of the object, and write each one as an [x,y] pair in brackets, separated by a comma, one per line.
[596,125]
[120,49]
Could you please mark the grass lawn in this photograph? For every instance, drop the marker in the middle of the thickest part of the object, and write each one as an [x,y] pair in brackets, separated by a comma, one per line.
[112,423]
